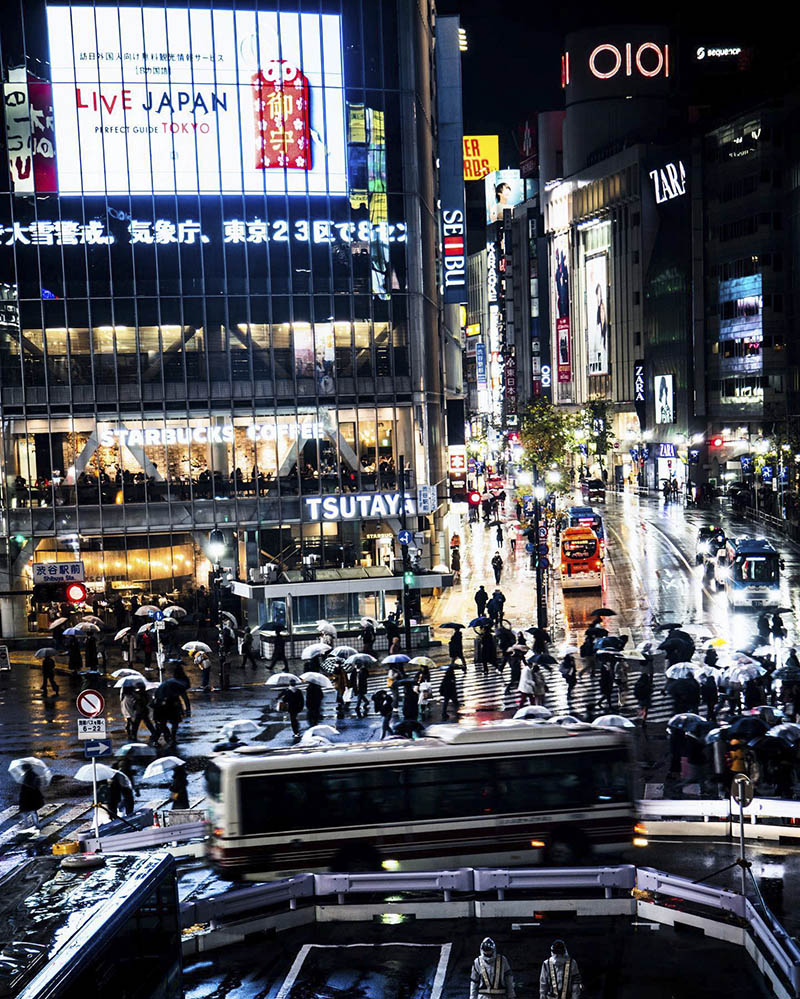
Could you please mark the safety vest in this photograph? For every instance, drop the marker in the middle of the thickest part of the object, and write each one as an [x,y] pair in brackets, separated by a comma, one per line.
[491,979]
[551,966]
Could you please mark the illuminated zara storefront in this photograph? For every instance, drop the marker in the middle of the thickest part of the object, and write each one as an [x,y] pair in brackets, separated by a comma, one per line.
[216,295]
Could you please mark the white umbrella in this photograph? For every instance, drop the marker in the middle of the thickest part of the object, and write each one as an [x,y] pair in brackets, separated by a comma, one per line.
[343,651]
[613,721]
[49,651]
[282,680]
[230,617]
[741,674]
[569,650]
[42,771]
[195,647]
[93,619]
[317,649]
[86,626]
[319,731]
[57,623]
[131,678]
[241,728]
[122,633]
[145,610]
[326,628]
[368,620]
[320,679]
[136,749]
[174,610]
[703,671]
[315,742]
[565,720]
[163,766]
[638,656]
[144,628]
[126,671]
[534,711]
[680,671]
[84,773]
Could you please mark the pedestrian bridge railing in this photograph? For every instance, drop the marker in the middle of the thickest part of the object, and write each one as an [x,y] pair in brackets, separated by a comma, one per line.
[236,915]
[765,818]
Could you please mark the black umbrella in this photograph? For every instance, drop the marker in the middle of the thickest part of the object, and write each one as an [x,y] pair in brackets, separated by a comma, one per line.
[452,624]
[545,659]
[169,688]
[409,729]
[538,631]
[603,612]
[690,724]
[479,622]
[667,626]
[611,643]
[768,745]
[746,727]
[684,688]
[596,632]
[273,626]
[768,714]
[717,735]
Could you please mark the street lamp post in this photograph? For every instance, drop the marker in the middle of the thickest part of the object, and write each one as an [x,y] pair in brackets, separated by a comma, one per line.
[401,482]
[538,496]
[216,549]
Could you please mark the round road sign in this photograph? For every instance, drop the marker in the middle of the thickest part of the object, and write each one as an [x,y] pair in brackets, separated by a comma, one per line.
[405,537]
[544,562]
[90,703]
[742,790]
[158,615]
[542,532]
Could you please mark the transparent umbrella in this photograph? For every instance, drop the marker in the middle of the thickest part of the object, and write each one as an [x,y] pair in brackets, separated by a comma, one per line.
[175,610]
[680,671]
[242,728]
[196,647]
[162,766]
[282,680]
[136,749]
[425,661]
[319,678]
[145,610]
[316,649]
[534,711]
[122,633]
[613,721]
[360,659]
[84,773]
[17,769]
[57,623]
[126,671]
[326,628]
[41,653]
[87,626]
[344,651]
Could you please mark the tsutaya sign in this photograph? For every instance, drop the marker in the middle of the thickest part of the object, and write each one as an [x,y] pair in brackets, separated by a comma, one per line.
[354,506]
[669,181]
[210,433]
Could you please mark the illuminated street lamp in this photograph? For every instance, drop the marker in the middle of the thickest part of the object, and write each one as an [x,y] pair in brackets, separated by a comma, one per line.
[216,549]
[553,477]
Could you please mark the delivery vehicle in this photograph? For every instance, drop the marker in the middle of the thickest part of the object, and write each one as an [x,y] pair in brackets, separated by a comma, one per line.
[749,571]
[709,542]
[585,516]
[593,490]
[581,560]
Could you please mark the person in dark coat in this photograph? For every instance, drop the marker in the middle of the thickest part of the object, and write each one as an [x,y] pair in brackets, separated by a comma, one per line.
[540,640]
[293,702]
[643,692]
[392,631]
[488,650]
[49,675]
[448,691]
[119,793]
[515,660]
[753,693]
[248,655]
[455,647]
[505,639]
[711,658]
[368,637]
[90,653]
[791,659]
[500,599]
[764,626]
[497,566]
[362,679]
[481,600]
[147,649]
[278,651]
[569,671]
[314,703]
[30,798]
[74,652]
[492,609]
[411,702]
[606,682]
[386,710]
[180,674]
[710,695]
[178,789]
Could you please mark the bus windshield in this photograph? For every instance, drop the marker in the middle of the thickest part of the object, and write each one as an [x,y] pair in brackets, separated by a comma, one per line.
[579,549]
[755,569]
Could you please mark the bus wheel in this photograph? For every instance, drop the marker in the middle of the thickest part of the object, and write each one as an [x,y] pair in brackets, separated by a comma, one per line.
[356,860]
[566,848]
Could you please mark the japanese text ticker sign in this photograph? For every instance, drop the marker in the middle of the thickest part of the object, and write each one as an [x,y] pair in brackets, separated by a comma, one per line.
[91,728]
[58,572]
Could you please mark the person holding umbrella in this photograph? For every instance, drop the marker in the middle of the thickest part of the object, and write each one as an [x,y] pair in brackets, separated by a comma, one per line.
[367,635]
[643,692]
[49,675]
[710,696]
[248,655]
[361,681]
[392,631]
[386,710]
[74,660]
[569,671]
[292,702]
[525,687]
[448,691]
[314,703]
[202,661]
[30,799]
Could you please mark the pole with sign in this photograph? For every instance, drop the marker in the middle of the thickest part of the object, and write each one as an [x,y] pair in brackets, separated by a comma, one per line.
[401,482]
[91,703]
[160,625]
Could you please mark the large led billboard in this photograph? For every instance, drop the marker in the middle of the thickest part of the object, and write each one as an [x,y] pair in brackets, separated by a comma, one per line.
[563,339]
[596,272]
[664,391]
[170,100]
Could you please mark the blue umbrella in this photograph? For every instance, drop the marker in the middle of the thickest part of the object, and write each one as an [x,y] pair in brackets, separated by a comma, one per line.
[398,657]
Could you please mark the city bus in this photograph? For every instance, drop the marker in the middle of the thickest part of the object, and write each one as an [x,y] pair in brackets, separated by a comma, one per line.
[585,516]
[488,794]
[581,562]
[748,570]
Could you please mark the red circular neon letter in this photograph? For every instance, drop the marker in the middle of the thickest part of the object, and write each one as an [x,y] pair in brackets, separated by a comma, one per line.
[606,47]
[652,47]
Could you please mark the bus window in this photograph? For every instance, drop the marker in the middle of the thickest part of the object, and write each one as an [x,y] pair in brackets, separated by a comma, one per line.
[755,569]
[611,777]
[579,549]
[214,781]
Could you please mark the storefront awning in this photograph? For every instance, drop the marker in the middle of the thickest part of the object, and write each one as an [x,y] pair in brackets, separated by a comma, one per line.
[377,579]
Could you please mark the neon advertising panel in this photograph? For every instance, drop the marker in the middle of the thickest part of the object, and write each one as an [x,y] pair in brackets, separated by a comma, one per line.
[561,307]
[596,272]
[151,100]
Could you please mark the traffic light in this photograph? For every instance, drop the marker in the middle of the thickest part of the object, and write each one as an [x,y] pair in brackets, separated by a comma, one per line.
[717,442]
[408,578]
[60,593]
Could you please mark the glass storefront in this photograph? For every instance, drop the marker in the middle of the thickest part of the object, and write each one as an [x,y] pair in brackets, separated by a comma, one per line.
[218,282]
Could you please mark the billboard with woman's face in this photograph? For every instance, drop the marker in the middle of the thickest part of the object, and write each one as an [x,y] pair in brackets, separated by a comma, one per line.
[503,190]
[597,327]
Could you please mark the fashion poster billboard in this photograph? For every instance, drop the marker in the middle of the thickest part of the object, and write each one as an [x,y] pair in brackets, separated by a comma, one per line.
[170,100]
[503,190]
[596,271]
[664,393]
[563,339]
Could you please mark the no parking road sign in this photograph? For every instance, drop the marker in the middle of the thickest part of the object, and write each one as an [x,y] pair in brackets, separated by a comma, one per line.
[90,703]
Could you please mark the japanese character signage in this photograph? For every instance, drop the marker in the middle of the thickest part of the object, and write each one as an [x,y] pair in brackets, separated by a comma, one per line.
[57,572]
[30,138]
[176,100]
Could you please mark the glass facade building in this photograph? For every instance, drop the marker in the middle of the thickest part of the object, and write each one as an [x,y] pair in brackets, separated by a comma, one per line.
[218,286]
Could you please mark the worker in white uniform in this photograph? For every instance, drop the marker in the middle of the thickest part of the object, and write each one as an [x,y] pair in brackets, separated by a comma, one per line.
[560,977]
[491,976]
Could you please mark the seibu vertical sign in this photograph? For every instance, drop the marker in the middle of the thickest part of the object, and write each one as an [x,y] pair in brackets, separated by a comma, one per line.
[451,163]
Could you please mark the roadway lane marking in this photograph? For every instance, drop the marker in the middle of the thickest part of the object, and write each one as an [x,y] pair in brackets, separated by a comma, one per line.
[438,981]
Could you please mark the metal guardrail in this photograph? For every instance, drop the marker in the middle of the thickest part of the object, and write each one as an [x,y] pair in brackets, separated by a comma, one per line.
[143,838]
[764,817]
[650,880]
[243,901]
[563,878]
[447,882]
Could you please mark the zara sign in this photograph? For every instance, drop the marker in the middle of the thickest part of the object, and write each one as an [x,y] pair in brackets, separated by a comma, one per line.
[669,181]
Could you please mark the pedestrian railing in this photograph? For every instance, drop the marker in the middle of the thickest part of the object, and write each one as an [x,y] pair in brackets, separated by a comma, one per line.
[235,915]
[765,818]
[142,839]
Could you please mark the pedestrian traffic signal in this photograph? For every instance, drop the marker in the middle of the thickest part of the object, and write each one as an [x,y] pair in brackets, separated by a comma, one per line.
[408,578]
[717,442]
[59,593]
[474,498]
